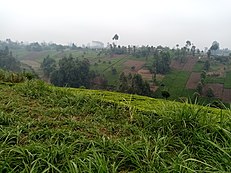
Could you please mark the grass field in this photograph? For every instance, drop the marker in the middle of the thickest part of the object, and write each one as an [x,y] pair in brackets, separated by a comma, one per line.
[199,66]
[49,129]
[227,83]
[209,79]
[175,82]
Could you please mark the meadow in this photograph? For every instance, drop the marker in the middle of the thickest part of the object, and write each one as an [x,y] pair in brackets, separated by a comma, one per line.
[49,129]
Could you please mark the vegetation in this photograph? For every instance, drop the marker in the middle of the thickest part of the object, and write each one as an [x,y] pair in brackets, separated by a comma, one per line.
[49,129]
[162,67]
[48,66]
[7,61]
[72,72]
[133,85]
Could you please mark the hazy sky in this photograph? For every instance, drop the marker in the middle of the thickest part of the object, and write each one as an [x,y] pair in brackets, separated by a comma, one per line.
[137,22]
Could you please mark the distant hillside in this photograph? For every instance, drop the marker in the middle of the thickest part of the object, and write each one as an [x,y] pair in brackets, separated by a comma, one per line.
[50,129]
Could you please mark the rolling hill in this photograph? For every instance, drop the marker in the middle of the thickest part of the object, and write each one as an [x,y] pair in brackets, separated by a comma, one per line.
[49,129]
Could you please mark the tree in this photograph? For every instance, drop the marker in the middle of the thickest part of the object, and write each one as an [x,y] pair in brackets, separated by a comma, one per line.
[48,65]
[165,94]
[203,74]
[209,53]
[123,83]
[116,37]
[206,65]
[188,44]
[8,62]
[72,72]
[193,49]
[133,85]
[215,46]
[162,64]
[199,88]
[210,93]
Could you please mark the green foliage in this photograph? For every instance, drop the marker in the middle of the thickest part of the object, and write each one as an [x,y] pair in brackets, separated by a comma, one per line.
[72,72]
[48,65]
[162,64]
[77,130]
[199,66]
[133,85]
[227,83]
[199,88]
[6,76]
[206,65]
[178,79]
[165,94]
[8,62]
[209,93]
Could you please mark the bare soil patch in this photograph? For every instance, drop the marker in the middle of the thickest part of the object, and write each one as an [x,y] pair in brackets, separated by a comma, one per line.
[184,66]
[153,88]
[146,75]
[217,89]
[193,80]
[226,95]
[137,64]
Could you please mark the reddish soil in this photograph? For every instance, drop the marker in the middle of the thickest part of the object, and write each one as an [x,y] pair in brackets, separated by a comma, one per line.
[145,74]
[137,64]
[193,80]
[153,88]
[226,95]
[185,66]
[175,64]
[217,89]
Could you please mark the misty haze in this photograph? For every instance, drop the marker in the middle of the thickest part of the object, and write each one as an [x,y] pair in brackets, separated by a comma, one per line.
[115,86]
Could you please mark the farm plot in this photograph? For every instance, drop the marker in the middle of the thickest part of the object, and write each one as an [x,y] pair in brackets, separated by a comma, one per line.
[227,83]
[226,95]
[146,74]
[217,89]
[187,66]
[193,80]
[133,63]
[175,83]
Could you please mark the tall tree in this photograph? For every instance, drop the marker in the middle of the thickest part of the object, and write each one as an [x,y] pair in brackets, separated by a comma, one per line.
[116,37]
[72,72]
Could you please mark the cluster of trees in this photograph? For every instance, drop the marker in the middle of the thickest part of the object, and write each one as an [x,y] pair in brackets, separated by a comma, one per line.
[133,84]
[48,66]
[7,61]
[72,72]
[35,46]
[162,63]
[200,87]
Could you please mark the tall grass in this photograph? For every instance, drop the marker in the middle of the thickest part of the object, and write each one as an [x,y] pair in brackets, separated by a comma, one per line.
[49,129]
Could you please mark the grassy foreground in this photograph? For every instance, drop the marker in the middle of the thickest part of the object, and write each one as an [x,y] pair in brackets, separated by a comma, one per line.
[49,129]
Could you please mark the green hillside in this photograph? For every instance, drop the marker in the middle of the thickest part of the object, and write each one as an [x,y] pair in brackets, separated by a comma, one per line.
[50,129]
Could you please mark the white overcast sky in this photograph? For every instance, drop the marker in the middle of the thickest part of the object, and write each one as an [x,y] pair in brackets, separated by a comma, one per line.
[137,22]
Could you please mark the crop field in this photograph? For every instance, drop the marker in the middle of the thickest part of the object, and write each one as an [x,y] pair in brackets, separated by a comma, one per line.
[198,67]
[193,80]
[227,83]
[175,83]
[49,129]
